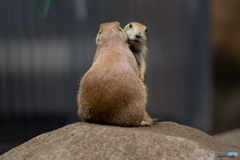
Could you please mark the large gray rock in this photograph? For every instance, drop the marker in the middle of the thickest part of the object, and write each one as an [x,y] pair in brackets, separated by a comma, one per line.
[165,140]
[231,137]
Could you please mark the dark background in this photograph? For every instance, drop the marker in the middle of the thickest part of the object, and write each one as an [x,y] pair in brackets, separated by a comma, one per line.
[42,60]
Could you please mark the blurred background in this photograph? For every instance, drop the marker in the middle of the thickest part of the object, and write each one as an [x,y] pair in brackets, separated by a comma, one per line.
[193,65]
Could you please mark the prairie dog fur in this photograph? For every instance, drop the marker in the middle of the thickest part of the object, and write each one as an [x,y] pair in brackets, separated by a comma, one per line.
[110,91]
[137,39]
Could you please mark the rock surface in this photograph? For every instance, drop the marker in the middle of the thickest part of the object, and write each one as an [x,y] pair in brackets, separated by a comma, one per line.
[231,137]
[164,140]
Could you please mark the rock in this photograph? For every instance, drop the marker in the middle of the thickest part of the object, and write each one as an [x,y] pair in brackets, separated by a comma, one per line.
[165,140]
[231,137]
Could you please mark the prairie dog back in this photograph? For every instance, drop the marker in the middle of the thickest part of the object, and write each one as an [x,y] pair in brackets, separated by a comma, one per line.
[137,39]
[110,91]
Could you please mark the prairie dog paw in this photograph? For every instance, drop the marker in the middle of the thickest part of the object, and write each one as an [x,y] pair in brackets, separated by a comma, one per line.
[143,123]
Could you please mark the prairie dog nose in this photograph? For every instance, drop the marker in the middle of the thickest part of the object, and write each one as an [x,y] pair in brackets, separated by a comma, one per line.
[138,36]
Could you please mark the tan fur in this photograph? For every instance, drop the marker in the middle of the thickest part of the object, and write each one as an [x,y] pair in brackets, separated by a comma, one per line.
[110,91]
[137,38]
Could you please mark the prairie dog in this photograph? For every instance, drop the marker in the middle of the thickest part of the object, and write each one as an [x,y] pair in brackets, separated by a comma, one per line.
[110,91]
[137,39]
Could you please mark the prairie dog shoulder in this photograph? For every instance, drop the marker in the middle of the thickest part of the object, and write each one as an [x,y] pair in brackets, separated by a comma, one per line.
[137,39]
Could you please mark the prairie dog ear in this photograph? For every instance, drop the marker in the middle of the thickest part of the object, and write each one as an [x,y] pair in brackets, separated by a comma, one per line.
[119,28]
[123,33]
[98,38]
[100,25]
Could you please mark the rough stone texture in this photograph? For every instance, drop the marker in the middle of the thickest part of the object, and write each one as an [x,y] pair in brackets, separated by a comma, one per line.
[231,137]
[165,140]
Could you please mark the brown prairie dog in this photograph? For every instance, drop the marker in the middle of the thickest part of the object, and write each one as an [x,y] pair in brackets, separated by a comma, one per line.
[137,39]
[110,91]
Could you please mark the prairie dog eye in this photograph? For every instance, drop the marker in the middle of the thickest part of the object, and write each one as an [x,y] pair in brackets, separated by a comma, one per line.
[130,25]
[146,30]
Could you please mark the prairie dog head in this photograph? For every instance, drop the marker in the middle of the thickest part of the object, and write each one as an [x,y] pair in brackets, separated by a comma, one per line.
[137,33]
[110,32]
